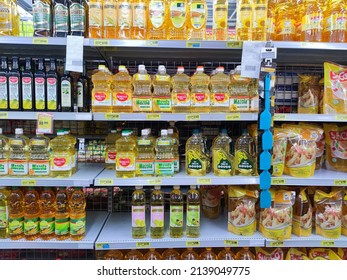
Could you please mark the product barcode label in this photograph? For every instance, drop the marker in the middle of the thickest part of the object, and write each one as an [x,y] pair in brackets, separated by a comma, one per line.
[250,68]
[112,116]
[153,116]
[102,246]
[280,117]
[153,182]
[278,181]
[28,183]
[143,244]
[106,182]
[231,242]
[193,45]
[234,45]
[328,243]
[193,117]
[192,243]
[102,43]
[40,41]
[233,117]
[340,182]
[276,244]
[3,115]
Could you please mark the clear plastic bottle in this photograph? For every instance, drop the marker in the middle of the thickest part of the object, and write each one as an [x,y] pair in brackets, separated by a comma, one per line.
[138,213]
[139,26]
[335,21]
[95,17]
[72,140]
[175,130]
[270,21]
[245,254]
[285,20]
[176,213]
[193,213]
[133,255]
[162,91]
[175,150]
[109,19]
[196,158]
[219,87]
[259,20]
[158,18]
[6,26]
[126,155]
[197,18]
[124,25]
[101,94]
[177,29]
[32,213]
[61,159]
[312,22]
[164,158]
[77,205]
[19,154]
[239,91]
[145,157]
[222,159]
[62,215]
[16,214]
[122,91]
[3,213]
[171,254]
[157,229]
[208,254]
[200,91]
[189,254]
[114,255]
[226,254]
[111,152]
[220,20]
[47,215]
[300,10]
[4,154]
[244,21]
[245,158]
[181,97]
[39,162]
[142,95]
[152,254]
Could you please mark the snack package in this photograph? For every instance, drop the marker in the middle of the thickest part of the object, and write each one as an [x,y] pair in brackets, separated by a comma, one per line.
[328,213]
[335,89]
[309,91]
[342,252]
[279,151]
[344,214]
[265,254]
[295,254]
[276,221]
[336,147]
[302,214]
[242,212]
[323,254]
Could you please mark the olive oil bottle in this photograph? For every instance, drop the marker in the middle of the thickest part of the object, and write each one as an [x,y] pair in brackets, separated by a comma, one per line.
[176,213]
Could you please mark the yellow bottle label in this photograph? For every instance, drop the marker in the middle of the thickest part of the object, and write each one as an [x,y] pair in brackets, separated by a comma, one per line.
[110,14]
[181,99]
[125,162]
[142,104]
[220,99]
[198,15]
[39,167]
[247,230]
[336,22]
[260,15]
[162,104]
[95,14]
[244,164]
[239,103]
[121,99]
[139,16]
[157,13]
[286,26]
[245,17]
[124,15]
[200,99]
[312,21]
[102,98]
[61,163]
[178,13]
[220,16]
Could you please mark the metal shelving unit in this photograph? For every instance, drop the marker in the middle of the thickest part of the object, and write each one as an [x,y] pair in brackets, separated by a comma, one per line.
[116,234]
[58,116]
[94,224]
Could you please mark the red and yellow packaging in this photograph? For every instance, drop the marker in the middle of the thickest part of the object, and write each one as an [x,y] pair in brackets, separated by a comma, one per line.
[336,147]
[323,254]
[269,254]
[295,255]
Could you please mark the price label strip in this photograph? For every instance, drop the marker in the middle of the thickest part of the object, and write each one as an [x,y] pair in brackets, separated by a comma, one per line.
[280,117]
[143,244]
[203,181]
[106,182]
[193,243]
[28,183]
[112,116]
[231,243]
[233,117]
[44,123]
[152,43]
[153,182]
[340,182]
[328,243]
[101,43]
[278,181]
[40,41]
[153,116]
[234,44]
[3,115]
[193,44]
[341,118]
[102,246]
[193,117]
[276,244]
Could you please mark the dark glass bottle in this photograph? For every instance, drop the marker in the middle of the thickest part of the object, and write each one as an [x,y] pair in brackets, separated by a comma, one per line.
[78,17]
[83,93]
[61,18]
[53,89]
[40,87]
[67,100]
[15,96]
[4,105]
[28,86]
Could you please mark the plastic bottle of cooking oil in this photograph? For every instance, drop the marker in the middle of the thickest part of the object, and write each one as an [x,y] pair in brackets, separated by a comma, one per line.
[62,215]
[312,22]
[19,154]
[6,19]
[200,91]
[175,130]
[133,255]
[124,25]
[72,140]
[300,10]
[244,21]
[109,19]
[189,254]
[226,254]
[3,213]
[111,152]
[126,155]
[122,91]
[220,20]
[162,91]
[222,159]
[139,26]
[239,91]
[171,254]
[32,213]
[208,254]
[177,29]
[164,158]
[196,158]
[175,150]
[181,99]
[158,18]
[157,229]
[16,214]
[244,155]
[101,93]
[77,205]
[285,20]
[197,17]
[193,213]
[220,91]
[61,158]
[270,21]
[176,213]
[138,213]
[259,20]
[145,156]
[95,15]
[4,149]
[39,162]
[114,255]
[335,21]
[142,95]
[48,208]
[245,254]
[152,254]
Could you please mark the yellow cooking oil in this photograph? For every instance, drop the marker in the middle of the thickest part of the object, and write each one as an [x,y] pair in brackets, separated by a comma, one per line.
[39,162]
[162,91]
[177,29]
[222,159]
[142,94]
[181,97]
[4,149]
[196,158]
[139,26]
[157,228]
[32,212]
[47,216]
[138,213]
[193,213]
[16,213]
[122,91]
[174,128]
[244,21]
[77,206]
[219,87]
[259,20]
[62,215]
[126,155]
[109,19]
[158,18]
[175,150]
[6,18]
[95,16]
[220,20]
[111,152]
[197,18]
[239,91]
[72,140]
[101,93]
[200,91]
[124,16]
[3,213]
[18,163]
[335,24]
[245,157]
[61,156]
[145,154]
[285,20]
[164,158]
[176,213]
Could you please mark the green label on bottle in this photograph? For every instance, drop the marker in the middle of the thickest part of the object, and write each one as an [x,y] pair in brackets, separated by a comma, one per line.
[77,17]
[176,216]
[78,226]
[195,164]
[41,16]
[31,226]
[145,167]
[16,226]
[244,164]
[224,164]
[61,16]
[62,226]
[3,217]
[46,225]
[193,215]
[164,167]
[176,164]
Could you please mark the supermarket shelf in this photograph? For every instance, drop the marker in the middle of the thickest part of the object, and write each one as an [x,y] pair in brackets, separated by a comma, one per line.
[116,234]
[175,117]
[310,118]
[310,241]
[95,222]
[108,178]
[58,116]
[84,177]
[321,177]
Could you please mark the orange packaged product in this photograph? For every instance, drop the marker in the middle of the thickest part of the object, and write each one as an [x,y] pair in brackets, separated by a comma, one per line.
[279,151]
[336,147]
[295,255]
[302,215]
[342,252]
[269,254]
[323,254]
[309,91]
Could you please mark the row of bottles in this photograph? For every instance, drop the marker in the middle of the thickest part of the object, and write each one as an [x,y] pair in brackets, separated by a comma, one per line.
[38,156]
[180,93]
[36,89]
[181,254]
[45,214]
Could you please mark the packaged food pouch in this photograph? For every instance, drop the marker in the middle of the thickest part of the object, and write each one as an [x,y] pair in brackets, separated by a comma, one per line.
[302,214]
[323,254]
[335,89]
[328,213]
[242,211]
[344,214]
[279,151]
[309,91]
[269,254]
[321,96]
[276,221]
[336,147]
[342,252]
[295,254]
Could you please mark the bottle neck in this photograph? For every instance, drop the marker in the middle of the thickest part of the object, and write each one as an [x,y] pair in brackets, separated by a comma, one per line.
[15,64]
[53,68]
[28,65]
[4,64]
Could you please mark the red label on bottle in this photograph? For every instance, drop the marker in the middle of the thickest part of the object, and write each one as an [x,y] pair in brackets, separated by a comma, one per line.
[219,96]
[200,96]
[124,162]
[26,80]
[39,80]
[122,97]
[100,96]
[2,79]
[182,96]
[52,81]
[112,155]
[59,161]
[13,79]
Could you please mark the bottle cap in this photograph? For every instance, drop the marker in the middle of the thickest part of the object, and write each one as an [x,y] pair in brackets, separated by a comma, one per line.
[157,187]
[122,68]
[161,68]
[176,187]
[170,131]
[126,132]
[60,133]
[200,69]
[138,187]
[180,69]
[220,69]
[163,132]
[144,132]
[238,68]
[113,131]
[223,131]
[192,187]
[142,68]
[195,131]
[19,131]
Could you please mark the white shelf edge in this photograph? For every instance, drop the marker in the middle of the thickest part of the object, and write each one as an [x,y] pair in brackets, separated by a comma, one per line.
[20,115]
[310,118]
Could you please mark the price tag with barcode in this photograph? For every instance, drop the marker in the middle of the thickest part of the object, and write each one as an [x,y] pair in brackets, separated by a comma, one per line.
[251,59]
[74,53]
[44,123]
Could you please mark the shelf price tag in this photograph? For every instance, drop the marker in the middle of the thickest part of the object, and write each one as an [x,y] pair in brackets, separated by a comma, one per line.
[112,116]
[193,243]
[203,181]
[340,182]
[276,244]
[153,117]
[3,115]
[101,43]
[328,243]
[153,182]
[152,43]
[40,41]
[106,182]
[278,181]
[233,117]
[193,44]
[341,118]
[234,45]
[232,243]
[102,246]
[28,183]
[193,117]
[44,123]
[280,117]
[143,244]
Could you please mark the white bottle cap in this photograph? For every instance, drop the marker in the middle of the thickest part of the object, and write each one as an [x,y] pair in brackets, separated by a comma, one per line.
[220,69]
[19,131]
[144,132]
[102,67]
[163,132]
[142,67]
[180,69]
[39,132]
[192,187]
[176,187]
[157,187]
[113,131]
[122,68]
[138,187]
[169,131]
[161,69]
[200,69]
[238,68]
[60,133]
